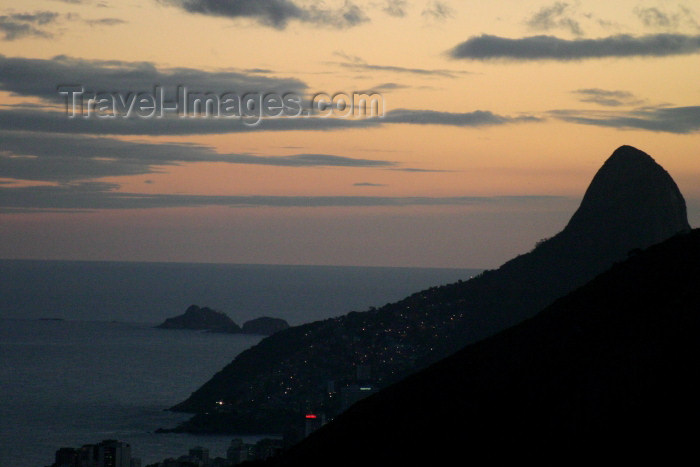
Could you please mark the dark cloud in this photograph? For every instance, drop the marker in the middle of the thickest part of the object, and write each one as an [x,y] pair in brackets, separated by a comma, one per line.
[18,25]
[105,22]
[679,120]
[432,117]
[39,17]
[258,70]
[655,18]
[276,13]
[47,146]
[606,97]
[77,18]
[438,11]
[357,63]
[57,122]
[33,106]
[553,17]
[313,160]
[384,87]
[400,69]
[99,195]
[412,169]
[63,158]
[40,78]
[395,8]
[368,184]
[486,47]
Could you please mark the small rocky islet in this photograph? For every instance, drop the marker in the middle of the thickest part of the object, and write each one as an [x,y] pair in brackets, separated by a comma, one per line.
[206,319]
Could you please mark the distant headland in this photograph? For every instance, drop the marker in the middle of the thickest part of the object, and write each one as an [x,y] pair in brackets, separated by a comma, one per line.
[206,319]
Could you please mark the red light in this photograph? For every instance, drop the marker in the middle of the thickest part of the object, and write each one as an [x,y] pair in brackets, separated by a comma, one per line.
[311,416]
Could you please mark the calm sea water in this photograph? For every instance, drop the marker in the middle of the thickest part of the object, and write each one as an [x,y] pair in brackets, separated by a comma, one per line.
[151,292]
[89,378]
[70,383]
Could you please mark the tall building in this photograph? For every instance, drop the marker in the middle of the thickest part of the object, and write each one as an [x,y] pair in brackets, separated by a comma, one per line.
[267,448]
[238,451]
[66,457]
[113,453]
[313,422]
[87,456]
[108,453]
[200,455]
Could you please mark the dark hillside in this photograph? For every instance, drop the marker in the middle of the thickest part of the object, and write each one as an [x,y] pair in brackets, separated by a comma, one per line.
[612,366]
[631,203]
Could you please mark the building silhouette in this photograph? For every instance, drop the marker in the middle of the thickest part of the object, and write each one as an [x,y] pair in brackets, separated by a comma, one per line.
[108,453]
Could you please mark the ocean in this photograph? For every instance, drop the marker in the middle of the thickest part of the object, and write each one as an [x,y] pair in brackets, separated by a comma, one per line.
[81,361]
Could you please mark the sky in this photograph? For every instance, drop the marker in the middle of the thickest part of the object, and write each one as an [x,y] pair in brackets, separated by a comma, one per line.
[492,119]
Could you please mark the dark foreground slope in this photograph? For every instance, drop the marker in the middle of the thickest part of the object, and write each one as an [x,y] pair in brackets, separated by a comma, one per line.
[613,365]
[631,203]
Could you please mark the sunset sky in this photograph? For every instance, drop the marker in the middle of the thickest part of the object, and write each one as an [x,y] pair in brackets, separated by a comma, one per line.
[496,117]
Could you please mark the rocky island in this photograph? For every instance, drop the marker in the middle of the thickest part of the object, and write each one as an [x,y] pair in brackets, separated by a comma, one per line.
[205,319]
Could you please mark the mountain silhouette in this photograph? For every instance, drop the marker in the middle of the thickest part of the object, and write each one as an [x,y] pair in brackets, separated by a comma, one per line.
[631,203]
[632,197]
[609,371]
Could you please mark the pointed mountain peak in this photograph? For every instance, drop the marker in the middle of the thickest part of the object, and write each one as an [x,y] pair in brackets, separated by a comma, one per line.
[629,159]
[630,153]
[631,199]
